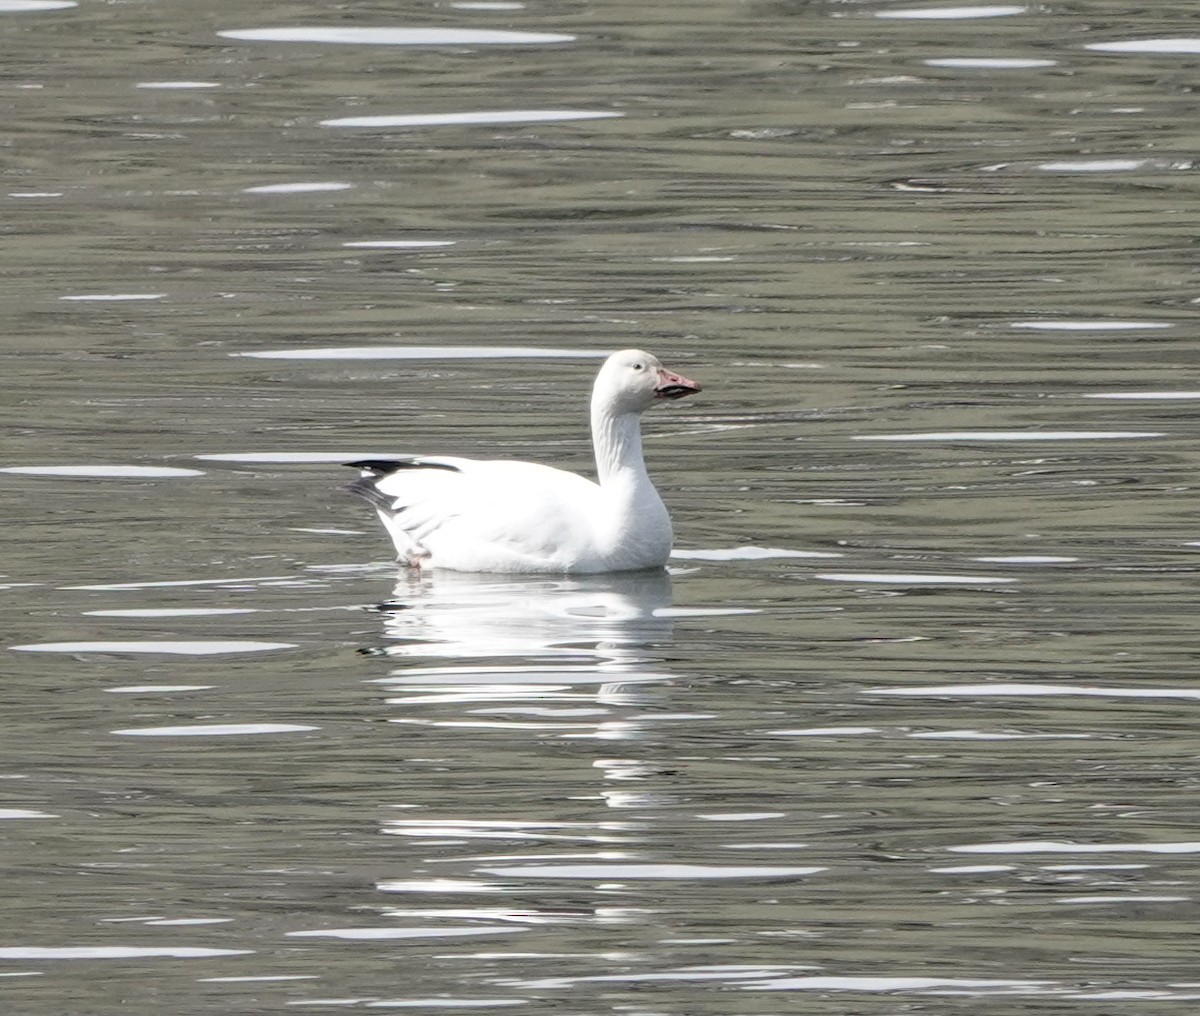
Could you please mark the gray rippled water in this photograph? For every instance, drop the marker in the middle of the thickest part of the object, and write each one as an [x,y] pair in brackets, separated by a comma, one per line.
[910,724]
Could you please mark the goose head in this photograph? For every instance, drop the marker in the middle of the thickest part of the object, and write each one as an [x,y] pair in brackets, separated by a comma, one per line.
[632,380]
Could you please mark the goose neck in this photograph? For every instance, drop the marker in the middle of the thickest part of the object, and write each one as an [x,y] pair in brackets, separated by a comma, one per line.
[617,438]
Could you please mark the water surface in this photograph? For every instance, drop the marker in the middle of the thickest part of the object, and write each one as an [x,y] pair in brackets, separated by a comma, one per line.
[909,726]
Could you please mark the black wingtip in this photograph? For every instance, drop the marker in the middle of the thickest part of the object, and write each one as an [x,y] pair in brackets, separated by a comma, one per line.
[382,467]
[374,470]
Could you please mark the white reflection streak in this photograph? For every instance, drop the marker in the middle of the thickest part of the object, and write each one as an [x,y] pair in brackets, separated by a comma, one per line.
[298,188]
[1013,435]
[1061,847]
[1093,165]
[104,471]
[1133,898]
[989,63]
[1184,395]
[777,979]
[616,730]
[237,581]
[509,830]
[176,85]
[209,647]
[114,952]
[938,985]
[730,973]
[503,116]
[216,730]
[399,244]
[29,6]
[439,886]
[376,934]
[1090,326]
[1169,45]
[370,36]
[421,353]
[747,553]
[624,769]
[953,13]
[1017,688]
[111,297]
[883,578]
[600,871]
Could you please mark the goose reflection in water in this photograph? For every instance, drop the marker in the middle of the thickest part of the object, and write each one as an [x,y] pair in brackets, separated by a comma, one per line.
[564,657]
[602,617]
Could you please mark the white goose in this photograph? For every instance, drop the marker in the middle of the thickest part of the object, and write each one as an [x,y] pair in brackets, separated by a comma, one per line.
[506,516]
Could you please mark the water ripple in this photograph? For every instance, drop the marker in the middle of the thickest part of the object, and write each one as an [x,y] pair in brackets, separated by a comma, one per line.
[113,952]
[1011,688]
[990,63]
[176,85]
[1014,435]
[1057,847]
[298,188]
[1093,165]
[158,689]
[423,353]
[744,554]
[901,984]
[1026,559]
[621,872]
[477,117]
[399,244]
[395,36]
[1166,396]
[287,458]
[32,6]
[953,13]
[111,297]
[216,730]
[170,612]
[378,934]
[915,579]
[1051,325]
[1184,45]
[172,583]
[181,648]
[104,472]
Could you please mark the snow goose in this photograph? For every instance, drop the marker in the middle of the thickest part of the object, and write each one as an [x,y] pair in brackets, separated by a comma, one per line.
[508,516]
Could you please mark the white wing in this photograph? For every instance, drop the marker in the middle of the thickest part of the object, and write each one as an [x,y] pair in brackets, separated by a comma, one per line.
[473,515]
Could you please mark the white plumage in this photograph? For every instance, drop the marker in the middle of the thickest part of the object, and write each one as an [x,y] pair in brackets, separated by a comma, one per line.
[512,516]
